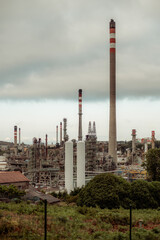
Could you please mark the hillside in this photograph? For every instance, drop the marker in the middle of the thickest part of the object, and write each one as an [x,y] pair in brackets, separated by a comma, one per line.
[26,221]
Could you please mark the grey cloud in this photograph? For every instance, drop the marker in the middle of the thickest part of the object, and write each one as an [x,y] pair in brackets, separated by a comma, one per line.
[49,49]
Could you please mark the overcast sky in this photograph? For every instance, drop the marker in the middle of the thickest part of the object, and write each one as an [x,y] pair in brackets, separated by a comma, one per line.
[51,48]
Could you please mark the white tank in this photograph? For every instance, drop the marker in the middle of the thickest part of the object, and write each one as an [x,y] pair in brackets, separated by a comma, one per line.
[69,166]
[80,164]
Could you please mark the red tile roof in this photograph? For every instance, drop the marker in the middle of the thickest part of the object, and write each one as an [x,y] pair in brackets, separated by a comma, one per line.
[12,177]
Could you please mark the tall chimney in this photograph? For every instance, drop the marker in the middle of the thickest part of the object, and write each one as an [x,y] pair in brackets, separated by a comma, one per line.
[133,140]
[60,133]
[112,120]
[153,139]
[65,129]
[56,134]
[46,146]
[19,136]
[80,116]
[15,135]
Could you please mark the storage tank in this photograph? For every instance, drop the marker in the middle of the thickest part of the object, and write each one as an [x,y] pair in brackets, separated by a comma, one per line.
[80,164]
[69,166]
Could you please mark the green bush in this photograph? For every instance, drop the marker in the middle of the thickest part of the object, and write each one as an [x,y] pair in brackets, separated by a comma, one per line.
[106,191]
[141,195]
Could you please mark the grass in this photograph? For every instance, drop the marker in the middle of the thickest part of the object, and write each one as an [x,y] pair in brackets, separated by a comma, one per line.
[26,221]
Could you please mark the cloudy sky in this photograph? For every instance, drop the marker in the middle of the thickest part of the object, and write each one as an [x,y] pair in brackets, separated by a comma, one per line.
[51,48]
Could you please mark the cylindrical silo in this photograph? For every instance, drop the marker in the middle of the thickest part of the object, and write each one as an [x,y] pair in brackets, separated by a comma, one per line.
[69,166]
[80,164]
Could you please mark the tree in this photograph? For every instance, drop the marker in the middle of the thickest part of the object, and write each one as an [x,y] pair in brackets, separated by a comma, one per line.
[106,191]
[152,164]
[142,195]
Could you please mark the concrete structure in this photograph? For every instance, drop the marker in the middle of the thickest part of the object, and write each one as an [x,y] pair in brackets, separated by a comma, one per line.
[69,166]
[133,141]
[80,164]
[80,115]
[112,120]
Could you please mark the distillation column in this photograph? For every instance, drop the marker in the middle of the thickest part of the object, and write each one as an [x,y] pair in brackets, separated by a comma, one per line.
[69,166]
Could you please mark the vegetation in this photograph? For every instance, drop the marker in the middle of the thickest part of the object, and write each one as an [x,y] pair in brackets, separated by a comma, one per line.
[111,191]
[25,221]
[105,191]
[10,192]
[152,164]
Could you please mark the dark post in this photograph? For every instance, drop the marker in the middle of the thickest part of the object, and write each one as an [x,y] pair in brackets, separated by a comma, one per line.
[130,222]
[45,219]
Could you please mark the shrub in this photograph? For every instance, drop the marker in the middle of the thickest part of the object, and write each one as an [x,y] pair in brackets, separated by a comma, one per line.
[106,191]
[141,195]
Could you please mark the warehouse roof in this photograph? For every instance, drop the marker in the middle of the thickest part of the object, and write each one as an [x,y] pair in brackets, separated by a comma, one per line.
[12,177]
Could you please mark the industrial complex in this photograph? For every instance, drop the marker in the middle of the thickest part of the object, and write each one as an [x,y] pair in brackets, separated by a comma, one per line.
[71,163]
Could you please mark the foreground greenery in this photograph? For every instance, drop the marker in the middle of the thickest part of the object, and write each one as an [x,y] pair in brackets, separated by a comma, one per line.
[111,191]
[152,164]
[26,221]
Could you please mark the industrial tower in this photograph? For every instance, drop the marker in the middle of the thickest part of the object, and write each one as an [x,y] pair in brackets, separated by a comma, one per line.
[80,115]
[112,120]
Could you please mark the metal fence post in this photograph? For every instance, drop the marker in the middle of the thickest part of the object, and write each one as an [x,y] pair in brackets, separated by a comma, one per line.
[45,219]
[130,233]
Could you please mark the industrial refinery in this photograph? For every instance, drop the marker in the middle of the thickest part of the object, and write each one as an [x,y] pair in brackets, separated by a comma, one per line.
[71,163]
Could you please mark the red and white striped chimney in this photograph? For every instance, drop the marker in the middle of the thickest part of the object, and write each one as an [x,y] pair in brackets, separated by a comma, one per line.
[112,120]
[15,135]
[80,115]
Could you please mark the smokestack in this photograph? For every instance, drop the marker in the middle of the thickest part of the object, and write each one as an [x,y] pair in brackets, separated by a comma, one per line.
[60,133]
[133,140]
[56,134]
[80,116]
[65,129]
[112,120]
[46,146]
[19,136]
[15,135]
[153,139]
